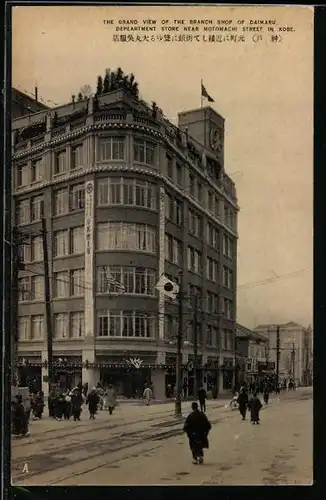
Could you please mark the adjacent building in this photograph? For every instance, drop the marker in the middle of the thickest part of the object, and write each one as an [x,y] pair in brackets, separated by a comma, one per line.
[295,350]
[22,104]
[251,355]
[127,197]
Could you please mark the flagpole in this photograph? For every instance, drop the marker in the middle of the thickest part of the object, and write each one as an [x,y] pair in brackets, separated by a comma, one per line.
[201,93]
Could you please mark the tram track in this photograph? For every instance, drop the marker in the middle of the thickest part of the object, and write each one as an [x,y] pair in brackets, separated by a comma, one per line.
[125,441]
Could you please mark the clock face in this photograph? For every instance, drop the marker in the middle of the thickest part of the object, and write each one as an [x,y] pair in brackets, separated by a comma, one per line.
[216,140]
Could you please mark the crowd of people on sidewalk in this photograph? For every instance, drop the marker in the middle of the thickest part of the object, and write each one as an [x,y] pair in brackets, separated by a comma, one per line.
[62,405]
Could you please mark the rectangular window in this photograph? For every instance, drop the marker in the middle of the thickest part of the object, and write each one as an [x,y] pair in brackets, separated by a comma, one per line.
[215,337]
[25,252]
[37,288]
[112,148]
[37,173]
[77,156]
[114,193]
[24,287]
[61,201]
[61,284]
[226,215]
[194,223]
[77,236]
[199,192]
[60,163]
[169,167]
[209,335]
[24,328]
[23,212]
[37,208]
[144,151]
[176,251]
[77,199]
[37,332]
[77,282]
[22,175]
[77,321]
[197,262]
[192,185]
[178,212]
[37,249]
[125,236]
[103,192]
[230,340]
[210,201]
[225,245]
[217,207]
[179,174]
[61,326]
[225,340]
[103,324]
[225,277]
[129,191]
[211,269]
[61,243]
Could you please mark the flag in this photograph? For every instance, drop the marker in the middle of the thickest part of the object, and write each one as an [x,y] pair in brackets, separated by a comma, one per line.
[204,93]
[111,281]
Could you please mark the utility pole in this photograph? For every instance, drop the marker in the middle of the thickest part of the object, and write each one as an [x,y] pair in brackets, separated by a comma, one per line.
[178,412]
[277,354]
[293,360]
[17,265]
[47,297]
[195,330]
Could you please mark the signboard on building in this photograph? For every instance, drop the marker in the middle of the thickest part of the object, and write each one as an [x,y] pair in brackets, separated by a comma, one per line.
[89,258]
[161,263]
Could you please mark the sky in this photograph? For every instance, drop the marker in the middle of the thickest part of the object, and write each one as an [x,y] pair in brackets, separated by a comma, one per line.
[264,91]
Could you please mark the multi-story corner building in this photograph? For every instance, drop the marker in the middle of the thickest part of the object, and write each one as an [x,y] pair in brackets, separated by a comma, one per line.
[295,346]
[22,104]
[127,197]
[251,354]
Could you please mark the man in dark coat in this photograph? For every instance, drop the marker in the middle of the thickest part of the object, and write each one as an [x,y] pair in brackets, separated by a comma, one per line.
[197,428]
[19,417]
[202,396]
[92,401]
[38,405]
[243,402]
[76,404]
[266,393]
[255,407]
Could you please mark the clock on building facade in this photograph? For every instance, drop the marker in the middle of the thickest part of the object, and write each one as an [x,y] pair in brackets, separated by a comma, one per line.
[216,139]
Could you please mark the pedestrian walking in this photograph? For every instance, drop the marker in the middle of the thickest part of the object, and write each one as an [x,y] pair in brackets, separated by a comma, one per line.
[147,395]
[38,405]
[76,404]
[110,399]
[255,407]
[92,402]
[197,427]
[243,402]
[266,394]
[19,417]
[85,389]
[202,396]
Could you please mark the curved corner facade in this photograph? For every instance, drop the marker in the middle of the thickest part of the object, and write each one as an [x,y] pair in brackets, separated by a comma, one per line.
[127,197]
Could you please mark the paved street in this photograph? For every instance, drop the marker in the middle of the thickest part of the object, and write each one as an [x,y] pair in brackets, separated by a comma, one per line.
[146,445]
